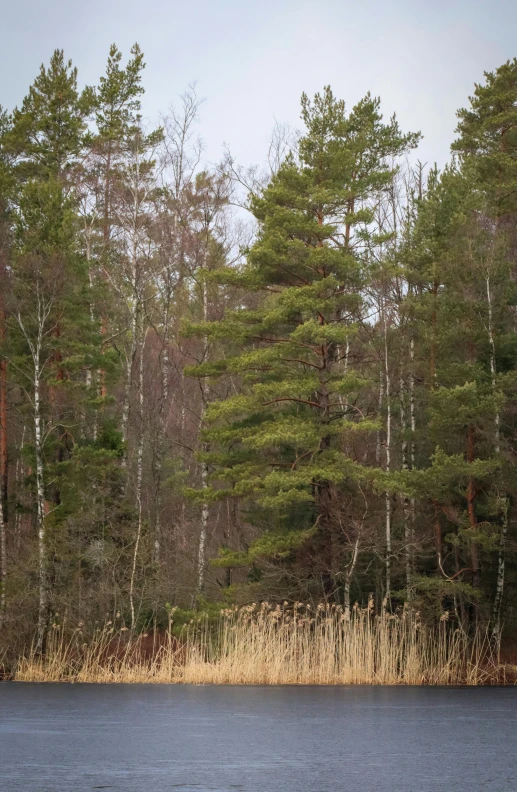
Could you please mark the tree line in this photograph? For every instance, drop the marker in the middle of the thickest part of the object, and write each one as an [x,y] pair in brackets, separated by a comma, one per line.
[224,384]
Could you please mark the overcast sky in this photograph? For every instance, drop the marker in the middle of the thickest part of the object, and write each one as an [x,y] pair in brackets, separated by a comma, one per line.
[252,59]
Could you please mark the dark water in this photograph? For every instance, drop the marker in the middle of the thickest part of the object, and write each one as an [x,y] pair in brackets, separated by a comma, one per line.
[72,738]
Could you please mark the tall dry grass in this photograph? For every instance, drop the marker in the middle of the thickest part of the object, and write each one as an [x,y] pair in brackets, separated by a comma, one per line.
[274,646]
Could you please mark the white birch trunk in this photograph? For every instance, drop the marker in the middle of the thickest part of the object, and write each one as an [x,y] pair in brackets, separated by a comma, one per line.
[405,466]
[139,468]
[164,408]
[378,444]
[89,375]
[136,305]
[501,556]
[203,533]
[348,579]
[412,422]
[204,466]
[89,372]
[18,472]
[493,372]
[126,404]
[388,462]
[40,509]
[36,349]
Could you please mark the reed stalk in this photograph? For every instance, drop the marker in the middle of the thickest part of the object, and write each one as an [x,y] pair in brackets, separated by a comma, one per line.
[278,645]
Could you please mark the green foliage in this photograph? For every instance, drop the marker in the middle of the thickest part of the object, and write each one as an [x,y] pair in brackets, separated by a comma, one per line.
[351,430]
[487,138]
[117,101]
[48,130]
[283,440]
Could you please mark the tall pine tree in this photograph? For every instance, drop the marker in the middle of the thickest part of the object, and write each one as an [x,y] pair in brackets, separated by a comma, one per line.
[286,441]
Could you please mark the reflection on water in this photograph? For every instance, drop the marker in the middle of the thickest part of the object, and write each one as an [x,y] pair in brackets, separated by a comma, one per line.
[72,738]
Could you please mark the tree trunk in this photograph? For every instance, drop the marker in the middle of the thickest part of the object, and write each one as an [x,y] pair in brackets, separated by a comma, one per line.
[90,378]
[349,572]
[20,493]
[205,394]
[136,319]
[139,466]
[499,594]
[406,506]
[501,555]
[203,533]
[44,592]
[378,444]
[491,341]
[388,462]
[471,495]
[3,566]
[412,419]
[3,448]
[160,450]
[3,432]
[126,404]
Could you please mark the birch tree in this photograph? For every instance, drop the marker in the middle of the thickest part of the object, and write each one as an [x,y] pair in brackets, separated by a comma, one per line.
[179,161]
[48,283]
[133,207]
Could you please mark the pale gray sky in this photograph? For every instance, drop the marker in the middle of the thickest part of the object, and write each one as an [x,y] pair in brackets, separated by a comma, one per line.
[251,59]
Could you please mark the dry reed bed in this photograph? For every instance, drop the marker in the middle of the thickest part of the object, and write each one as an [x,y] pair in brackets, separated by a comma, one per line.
[274,646]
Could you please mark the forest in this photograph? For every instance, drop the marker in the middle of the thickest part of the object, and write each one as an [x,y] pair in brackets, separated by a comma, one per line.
[288,383]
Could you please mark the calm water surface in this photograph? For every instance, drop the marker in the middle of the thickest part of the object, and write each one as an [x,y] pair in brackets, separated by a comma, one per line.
[73,738]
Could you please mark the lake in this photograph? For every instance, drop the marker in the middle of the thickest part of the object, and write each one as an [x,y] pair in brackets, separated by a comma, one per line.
[146,738]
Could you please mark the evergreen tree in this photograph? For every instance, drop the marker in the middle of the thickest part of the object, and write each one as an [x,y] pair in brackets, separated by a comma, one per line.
[487,140]
[347,426]
[461,304]
[48,345]
[48,130]
[117,106]
[286,440]
[49,341]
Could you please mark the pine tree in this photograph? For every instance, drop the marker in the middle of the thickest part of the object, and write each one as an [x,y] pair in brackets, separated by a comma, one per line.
[487,140]
[286,440]
[487,146]
[117,105]
[48,130]
[48,341]
[48,293]
[460,301]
